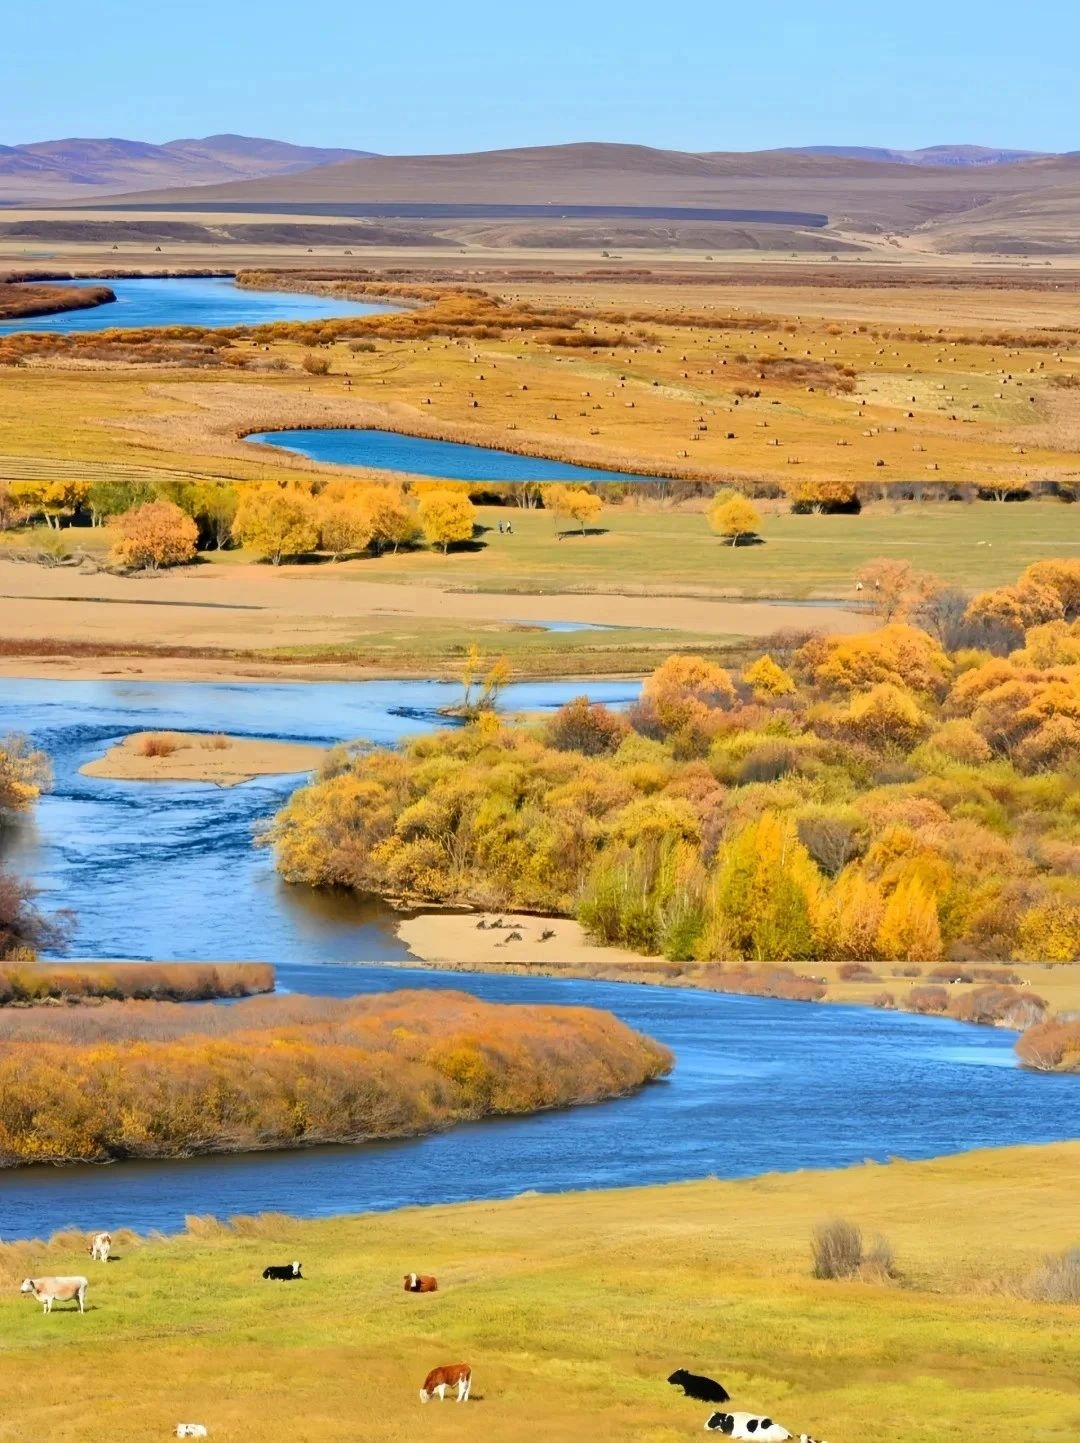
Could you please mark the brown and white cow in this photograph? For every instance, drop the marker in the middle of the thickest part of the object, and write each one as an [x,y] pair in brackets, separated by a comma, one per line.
[453,1375]
[101,1247]
[57,1290]
[420,1283]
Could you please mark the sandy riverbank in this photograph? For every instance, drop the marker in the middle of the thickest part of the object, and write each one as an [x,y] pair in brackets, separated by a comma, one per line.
[246,607]
[458,943]
[194,757]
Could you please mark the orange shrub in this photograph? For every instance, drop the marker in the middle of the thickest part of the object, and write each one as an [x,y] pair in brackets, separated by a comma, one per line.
[150,1079]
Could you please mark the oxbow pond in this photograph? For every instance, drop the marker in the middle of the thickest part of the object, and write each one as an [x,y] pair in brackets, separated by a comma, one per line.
[168,871]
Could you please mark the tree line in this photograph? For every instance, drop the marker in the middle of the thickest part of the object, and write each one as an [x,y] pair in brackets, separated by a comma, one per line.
[895,795]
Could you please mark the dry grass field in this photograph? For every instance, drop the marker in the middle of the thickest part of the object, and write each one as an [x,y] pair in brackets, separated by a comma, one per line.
[572,1311]
[766,379]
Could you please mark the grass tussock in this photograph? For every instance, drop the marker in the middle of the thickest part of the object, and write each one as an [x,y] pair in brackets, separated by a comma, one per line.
[838,1252]
[156,745]
[1055,1280]
[140,1080]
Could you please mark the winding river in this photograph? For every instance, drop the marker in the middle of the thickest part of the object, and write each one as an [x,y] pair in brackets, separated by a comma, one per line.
[423,456]
[168,871]
[192,301]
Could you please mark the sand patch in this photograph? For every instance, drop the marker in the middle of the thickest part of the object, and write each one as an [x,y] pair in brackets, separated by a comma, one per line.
[194,757]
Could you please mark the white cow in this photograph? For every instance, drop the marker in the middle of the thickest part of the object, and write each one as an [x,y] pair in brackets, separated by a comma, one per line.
[100,1247]
[191,1430]
[57,1290]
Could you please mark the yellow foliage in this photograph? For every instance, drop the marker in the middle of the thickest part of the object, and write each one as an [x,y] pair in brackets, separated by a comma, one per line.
[447,517]
[767,680]
[734,517]
[154,535]
[909,929]
[276,521]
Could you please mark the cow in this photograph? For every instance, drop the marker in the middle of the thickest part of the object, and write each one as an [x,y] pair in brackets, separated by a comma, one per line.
[283,1272]
[420,1283]
[695,1386]
[101,1247]
[453,1375]
[191,1430]
[751,1428]
[56,1290]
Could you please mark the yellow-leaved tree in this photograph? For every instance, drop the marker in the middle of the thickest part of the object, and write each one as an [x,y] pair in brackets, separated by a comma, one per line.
[909,930]
[447,517]
[581,506]
[345,524]
[52,500]
[275,521]
[154,535]
[733,517]
[767,680]
[765,895]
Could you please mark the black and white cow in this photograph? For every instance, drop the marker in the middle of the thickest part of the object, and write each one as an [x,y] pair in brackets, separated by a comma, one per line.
[752,1428]
[282,1273]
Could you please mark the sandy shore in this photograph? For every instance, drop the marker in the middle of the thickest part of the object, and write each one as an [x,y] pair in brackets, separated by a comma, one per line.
[244,608]
[194,757]
[457,943]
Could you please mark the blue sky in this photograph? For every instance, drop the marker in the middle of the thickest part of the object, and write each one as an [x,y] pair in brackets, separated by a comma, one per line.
[451,75]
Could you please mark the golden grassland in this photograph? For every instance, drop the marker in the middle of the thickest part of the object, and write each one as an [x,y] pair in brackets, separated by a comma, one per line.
[572,1310]
[985,399]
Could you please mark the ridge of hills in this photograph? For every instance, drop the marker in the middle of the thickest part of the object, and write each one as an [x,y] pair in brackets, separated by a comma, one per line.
[974,205]
[78,168]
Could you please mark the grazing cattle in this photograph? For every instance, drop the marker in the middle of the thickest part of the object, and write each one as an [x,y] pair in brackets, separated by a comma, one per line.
[101,1247]
[191,1430]
[420,1283]
[57,1290]
[453,1375]
[752,1427]
[283,1272]
[695,1386]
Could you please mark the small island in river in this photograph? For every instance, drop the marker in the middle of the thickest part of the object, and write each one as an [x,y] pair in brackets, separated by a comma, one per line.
[201,757]
[19,300]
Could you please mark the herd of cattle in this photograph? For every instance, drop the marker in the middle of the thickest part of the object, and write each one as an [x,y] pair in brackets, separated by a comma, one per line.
[450,1377]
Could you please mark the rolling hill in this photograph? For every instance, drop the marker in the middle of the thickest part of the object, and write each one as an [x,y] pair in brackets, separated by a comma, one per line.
[839,195]
[80,169]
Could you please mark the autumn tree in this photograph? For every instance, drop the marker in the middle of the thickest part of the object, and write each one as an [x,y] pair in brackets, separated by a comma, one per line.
[822,494]
[765,894]
[733,517]
[767,680]
[909,930]
[106,499]
[213,506]
[580,505]
[447,517]
[12,511]
[393,522]
[345,525]
[276,521]
[154,535]
[24,930]
[52,500]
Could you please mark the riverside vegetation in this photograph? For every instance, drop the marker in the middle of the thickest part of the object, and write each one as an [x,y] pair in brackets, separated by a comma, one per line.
[895,796]
[151,1079]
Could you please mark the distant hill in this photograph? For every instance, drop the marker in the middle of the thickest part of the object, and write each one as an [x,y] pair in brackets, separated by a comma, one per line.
[83,169]
[850,194]
[929,155]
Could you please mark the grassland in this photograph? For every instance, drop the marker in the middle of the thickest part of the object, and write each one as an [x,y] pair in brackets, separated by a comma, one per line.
[572,1310]
[762,381]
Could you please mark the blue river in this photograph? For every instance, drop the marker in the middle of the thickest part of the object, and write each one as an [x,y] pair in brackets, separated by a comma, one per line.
[168,871]
[191,301]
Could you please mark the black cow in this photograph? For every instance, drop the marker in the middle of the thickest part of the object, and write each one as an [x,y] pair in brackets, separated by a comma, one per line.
[282,1273]
[695,1386]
